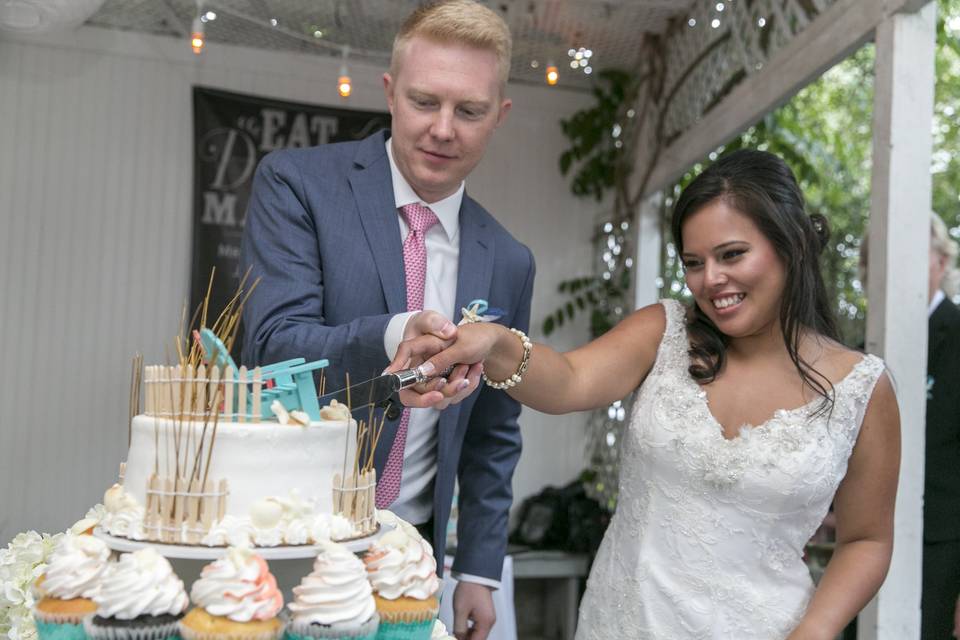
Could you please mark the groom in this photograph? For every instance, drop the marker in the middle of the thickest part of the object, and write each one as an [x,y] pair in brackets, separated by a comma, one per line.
[351,241]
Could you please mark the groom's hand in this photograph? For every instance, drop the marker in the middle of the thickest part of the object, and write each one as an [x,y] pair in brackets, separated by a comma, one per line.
[473,602]
[431,333]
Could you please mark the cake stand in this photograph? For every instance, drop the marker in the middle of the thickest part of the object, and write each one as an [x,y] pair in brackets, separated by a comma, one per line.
[288,564]
[187,552]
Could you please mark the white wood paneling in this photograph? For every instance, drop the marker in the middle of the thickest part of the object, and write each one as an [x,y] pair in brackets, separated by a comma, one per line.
[899,236]
[95,222]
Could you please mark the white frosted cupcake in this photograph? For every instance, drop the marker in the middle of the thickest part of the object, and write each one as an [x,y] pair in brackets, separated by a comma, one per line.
[72,577]
[403,573]
[140,598]
[335,600]
[236,598]
[440,632]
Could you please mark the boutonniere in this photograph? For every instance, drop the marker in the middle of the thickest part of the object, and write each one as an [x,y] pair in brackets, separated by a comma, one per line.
[479,311]
[929,387]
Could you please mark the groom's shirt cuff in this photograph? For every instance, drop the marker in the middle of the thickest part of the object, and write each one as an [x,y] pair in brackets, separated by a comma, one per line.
[393,336]
[466,577]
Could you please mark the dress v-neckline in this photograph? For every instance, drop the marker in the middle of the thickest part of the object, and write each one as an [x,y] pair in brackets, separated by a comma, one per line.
[778,413]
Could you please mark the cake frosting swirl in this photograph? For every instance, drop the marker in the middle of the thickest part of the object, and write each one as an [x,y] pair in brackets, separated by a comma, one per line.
[402,565]
[440,632]
[335,592]
[238,586]
[76,567]
[140,583]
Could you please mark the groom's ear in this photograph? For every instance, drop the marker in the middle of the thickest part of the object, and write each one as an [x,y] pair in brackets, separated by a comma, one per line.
[504,110]
[388,90]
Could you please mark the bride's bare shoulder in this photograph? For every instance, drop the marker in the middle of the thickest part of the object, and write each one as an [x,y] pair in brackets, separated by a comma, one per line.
[833,359]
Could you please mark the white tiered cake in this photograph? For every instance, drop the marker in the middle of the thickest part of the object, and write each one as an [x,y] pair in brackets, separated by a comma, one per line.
[221,456]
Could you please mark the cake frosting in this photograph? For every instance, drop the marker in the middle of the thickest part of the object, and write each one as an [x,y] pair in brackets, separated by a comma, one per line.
[335,592]
[400,564]
[440,632]
[280,480]
[140,583]
[76,567]
[238,586]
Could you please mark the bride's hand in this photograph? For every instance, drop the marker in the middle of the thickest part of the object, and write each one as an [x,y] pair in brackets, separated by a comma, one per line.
[463,357]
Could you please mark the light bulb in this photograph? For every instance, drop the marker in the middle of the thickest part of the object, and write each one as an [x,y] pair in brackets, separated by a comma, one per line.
[344,86]
[196,37]
[552,75]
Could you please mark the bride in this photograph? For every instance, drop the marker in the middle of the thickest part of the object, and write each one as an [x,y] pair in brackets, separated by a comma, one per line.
[750,420]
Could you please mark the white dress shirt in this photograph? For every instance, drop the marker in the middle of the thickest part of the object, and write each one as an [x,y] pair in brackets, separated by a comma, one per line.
[415,500]
[938,297]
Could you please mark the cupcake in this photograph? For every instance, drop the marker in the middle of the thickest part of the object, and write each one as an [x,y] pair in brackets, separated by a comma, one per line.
[236,598]
[440,632]
[72,577]
[403,573]
[334,600]
[140,598]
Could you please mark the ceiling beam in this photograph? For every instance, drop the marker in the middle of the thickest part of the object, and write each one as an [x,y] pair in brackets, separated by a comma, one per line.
[173,19]
[831,37]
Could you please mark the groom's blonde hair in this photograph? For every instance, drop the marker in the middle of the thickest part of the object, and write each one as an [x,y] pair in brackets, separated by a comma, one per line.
[461,22]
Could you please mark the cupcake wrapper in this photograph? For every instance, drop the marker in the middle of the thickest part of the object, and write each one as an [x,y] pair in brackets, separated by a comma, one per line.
[192,634]
[59,618]
[307,631]
[60,631]
[409,617]
[420,630]
[159,632]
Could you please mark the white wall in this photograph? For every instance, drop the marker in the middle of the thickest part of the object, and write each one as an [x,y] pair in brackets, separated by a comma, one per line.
[95,220]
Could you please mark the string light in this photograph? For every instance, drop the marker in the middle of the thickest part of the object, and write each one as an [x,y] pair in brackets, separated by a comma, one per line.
[580,59]
[197,30]
[344,86]
[552,74]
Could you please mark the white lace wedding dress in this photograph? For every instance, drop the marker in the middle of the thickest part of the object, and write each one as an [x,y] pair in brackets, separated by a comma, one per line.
[708,534]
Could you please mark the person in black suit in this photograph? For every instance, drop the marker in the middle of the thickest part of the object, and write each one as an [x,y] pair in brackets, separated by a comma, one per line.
[941,509]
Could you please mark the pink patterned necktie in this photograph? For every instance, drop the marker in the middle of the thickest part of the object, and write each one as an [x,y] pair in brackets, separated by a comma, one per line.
[419,218]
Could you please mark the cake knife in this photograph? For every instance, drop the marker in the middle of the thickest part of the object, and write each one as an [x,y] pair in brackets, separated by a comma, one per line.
[379,391]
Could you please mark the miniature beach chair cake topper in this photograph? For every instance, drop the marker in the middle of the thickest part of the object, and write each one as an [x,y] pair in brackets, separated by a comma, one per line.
[293,386]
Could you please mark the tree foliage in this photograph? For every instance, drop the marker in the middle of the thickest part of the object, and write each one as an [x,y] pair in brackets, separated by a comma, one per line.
[824,133]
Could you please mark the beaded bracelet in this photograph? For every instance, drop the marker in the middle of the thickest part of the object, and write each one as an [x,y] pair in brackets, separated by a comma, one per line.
[515,379]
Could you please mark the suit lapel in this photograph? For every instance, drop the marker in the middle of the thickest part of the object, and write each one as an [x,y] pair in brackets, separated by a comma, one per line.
[372,187]
[474,274]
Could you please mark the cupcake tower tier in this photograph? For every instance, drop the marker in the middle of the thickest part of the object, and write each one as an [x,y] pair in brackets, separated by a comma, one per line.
[187,552]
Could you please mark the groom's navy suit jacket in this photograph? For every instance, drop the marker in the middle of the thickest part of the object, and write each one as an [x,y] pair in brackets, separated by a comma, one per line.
[322,235]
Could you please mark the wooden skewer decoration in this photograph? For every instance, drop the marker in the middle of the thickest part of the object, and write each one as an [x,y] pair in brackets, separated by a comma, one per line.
[257,386]
[182,500]
[242,395]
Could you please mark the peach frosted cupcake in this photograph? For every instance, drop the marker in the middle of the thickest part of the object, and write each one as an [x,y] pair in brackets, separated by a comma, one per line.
[73,575]
[140,598]
[236,598]
[335,600]
[403,573]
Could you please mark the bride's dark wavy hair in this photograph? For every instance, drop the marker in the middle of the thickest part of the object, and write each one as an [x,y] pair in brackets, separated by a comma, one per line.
[761,186]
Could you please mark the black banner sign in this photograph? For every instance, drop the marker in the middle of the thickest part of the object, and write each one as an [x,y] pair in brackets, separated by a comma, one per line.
[232,132]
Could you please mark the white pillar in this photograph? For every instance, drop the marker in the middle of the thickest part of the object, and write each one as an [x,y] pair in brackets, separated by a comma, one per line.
[897,288]
[646,263]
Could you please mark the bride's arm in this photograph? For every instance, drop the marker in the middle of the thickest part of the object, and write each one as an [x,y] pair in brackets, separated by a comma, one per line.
[594,375]
[864,510]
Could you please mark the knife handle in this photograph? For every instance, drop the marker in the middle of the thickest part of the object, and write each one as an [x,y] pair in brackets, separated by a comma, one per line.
[409,377]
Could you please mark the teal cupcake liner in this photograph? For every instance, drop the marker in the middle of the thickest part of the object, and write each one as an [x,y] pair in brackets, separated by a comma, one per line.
[59,631]
[405,630]
[366,631]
